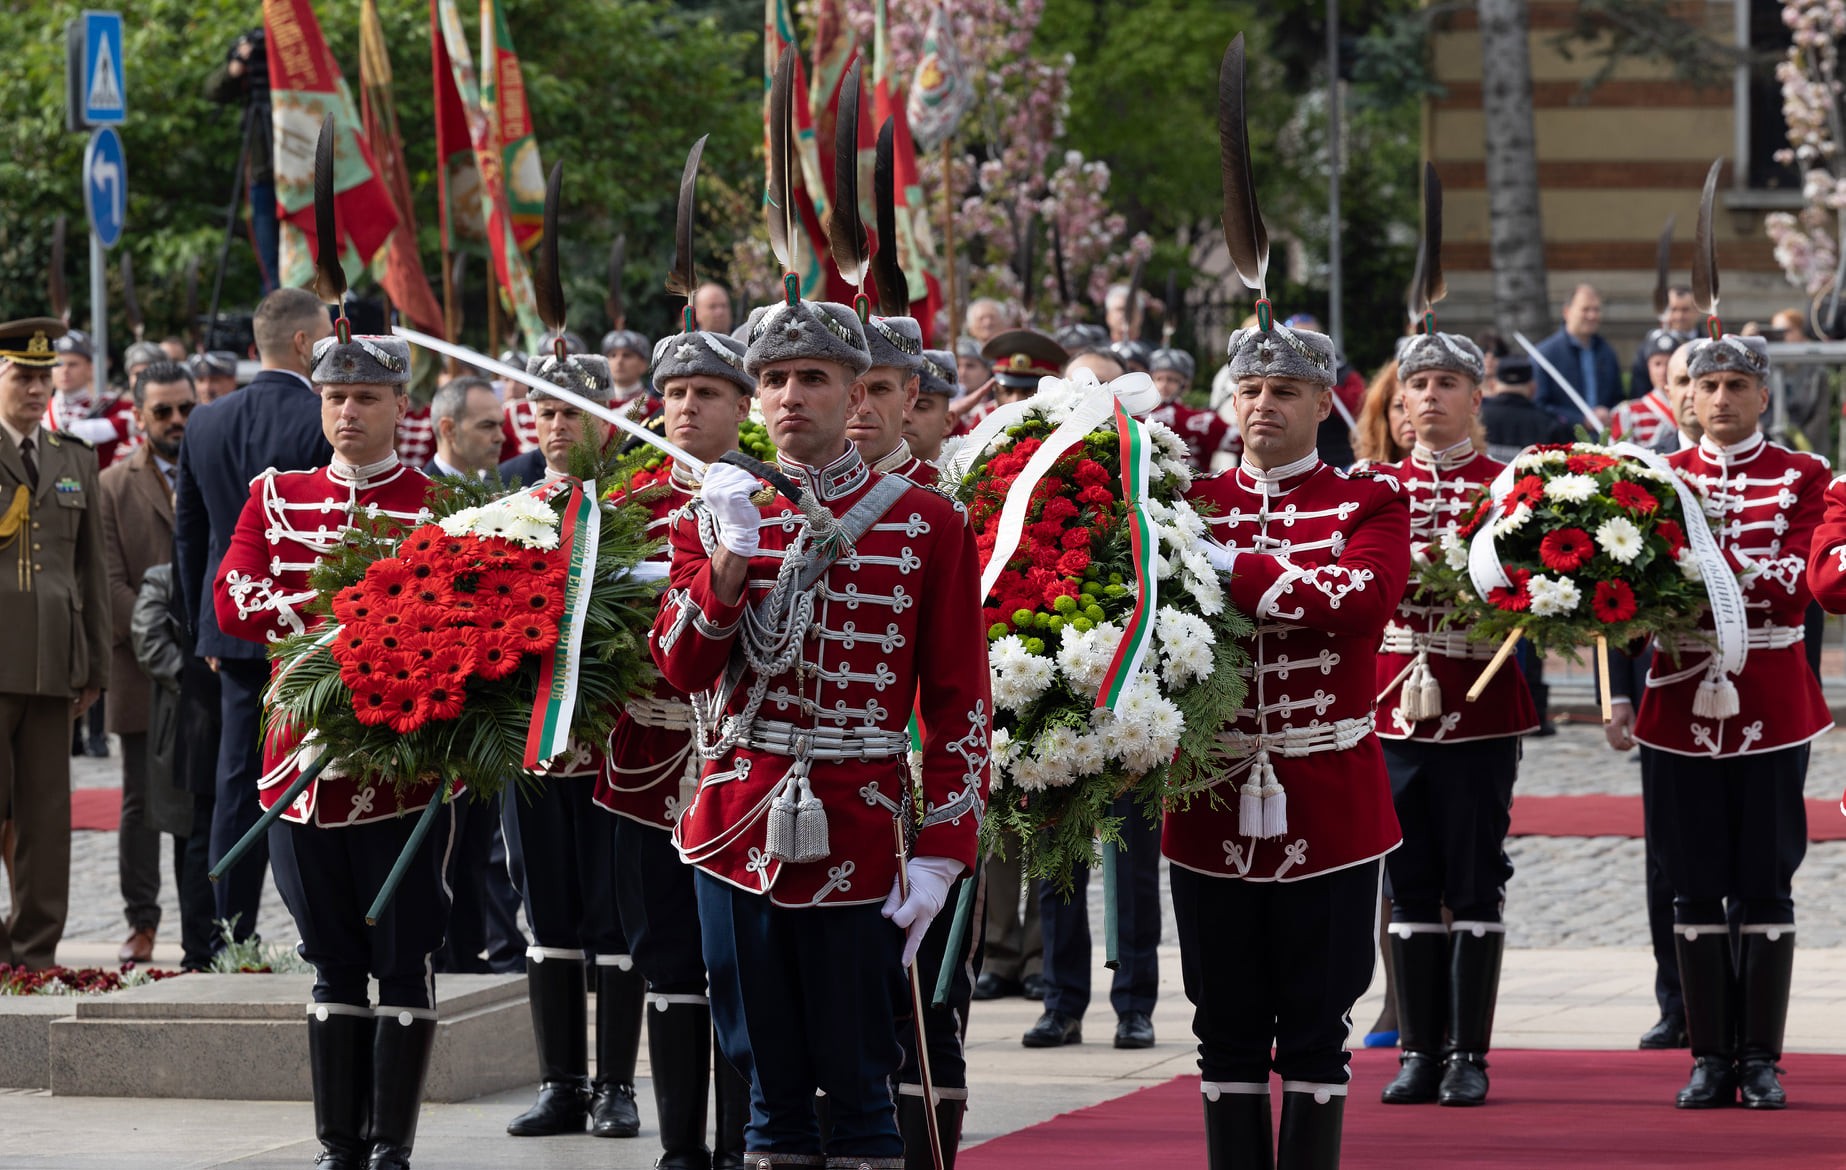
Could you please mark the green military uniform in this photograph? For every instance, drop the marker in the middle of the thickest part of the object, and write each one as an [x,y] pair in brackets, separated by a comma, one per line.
[54,593]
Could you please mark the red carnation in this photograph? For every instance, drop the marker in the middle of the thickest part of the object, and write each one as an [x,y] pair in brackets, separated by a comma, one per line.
[498,655]
[1516,598]
[985,542]
[1074,562]
[1566,549]
[1059,510]
[1672,533]
[1045,556]
[1027,447]
[990,614]
[1046,532]
[1056,590]
[1633,498]
[1529,489]
[1613,602]
[1588,464]
[387,579]
[372,702]
[405,707]
[1098,496]
[1076,538]
[444,698]
[1090,473]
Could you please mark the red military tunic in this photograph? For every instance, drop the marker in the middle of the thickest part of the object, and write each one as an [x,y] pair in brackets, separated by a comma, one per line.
[901,462]
[111,430]
[1827,555]
[1441,488]
[1322,561]
[518,428]
[292,519]
[1202,431]
[651,750]
[901,607]
[1643,420]
[416,437]
[1768,501]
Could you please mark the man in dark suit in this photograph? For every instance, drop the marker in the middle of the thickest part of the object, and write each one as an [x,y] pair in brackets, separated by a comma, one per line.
[1586,360]
[273,422]
[465,414]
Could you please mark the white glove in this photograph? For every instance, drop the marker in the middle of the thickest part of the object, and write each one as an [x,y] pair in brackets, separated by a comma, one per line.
[930,879]
[1221,558]
[727,491]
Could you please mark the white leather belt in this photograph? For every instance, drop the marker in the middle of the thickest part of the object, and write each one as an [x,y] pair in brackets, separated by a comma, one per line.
[1756,637]
[1441,643]
[1294,742]
[671,714]
[823,743]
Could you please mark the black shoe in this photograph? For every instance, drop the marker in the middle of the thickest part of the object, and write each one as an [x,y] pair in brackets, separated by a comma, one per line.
[340,1070]
[1032,987]
[1418,1080]
[1464,1079]
[1756,1079]
[1713,1085]
[613,1112]
[1054,1030]
[559,1022]
[400,1063]
[1134,1030]
[1669,1032]
[562,1107]
[991,986]
[621,998]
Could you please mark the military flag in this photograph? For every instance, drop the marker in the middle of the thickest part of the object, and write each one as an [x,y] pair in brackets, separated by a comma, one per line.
[503,99]
[398,268]
[940,92]
[810,193]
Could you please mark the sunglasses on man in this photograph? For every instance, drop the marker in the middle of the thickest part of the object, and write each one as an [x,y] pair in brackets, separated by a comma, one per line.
[162,411]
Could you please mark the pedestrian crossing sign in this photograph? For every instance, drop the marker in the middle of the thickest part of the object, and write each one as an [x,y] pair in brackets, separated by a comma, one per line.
[101,79]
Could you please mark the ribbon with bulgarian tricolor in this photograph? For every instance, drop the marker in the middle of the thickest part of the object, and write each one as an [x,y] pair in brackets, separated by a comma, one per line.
[1137,464]
[556,701]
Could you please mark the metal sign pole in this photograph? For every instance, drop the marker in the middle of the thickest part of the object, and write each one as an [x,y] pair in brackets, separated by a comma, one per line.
[99,319]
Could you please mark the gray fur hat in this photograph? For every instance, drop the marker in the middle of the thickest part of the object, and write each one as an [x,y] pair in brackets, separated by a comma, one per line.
[213,363]
[370,361]
[808,329]
[583,374]
[1282,352]
[572,342]
[895,341]
[701,352]
[1176,360]
[1742,355]
[143,353]
[968,347]
[1439,351]
[747,330]
[937,373]
[624,339]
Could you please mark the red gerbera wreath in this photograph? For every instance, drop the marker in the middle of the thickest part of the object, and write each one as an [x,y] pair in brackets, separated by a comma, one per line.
[1515,598]
[1633,498]
[1566,549]
[1613,602]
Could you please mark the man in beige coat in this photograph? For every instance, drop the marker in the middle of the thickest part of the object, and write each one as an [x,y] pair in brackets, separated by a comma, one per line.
[137,519]
[54,591]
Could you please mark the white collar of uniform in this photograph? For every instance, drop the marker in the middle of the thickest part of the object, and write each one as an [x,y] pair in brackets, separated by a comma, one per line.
[1446,459]
[1739,452]
[1269,482]
[894,459]
[843,476]
[362,478]
[682,479]
[624,394]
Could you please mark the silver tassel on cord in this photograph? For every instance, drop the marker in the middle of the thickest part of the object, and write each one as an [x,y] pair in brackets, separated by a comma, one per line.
[810,825]
[1717,694]
[779,833]
[1262,805]
[1422,695]
[797,827]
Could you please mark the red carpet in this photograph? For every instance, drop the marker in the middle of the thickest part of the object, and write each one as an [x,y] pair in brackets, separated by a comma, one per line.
[96,808]
[1547,1109]
[1620,816]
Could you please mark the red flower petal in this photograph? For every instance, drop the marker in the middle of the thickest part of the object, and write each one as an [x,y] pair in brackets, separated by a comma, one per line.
[405,707]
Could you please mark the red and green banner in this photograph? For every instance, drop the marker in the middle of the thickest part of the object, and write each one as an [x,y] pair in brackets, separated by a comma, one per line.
[503,100]
[398,268]
[560,668]
[305,85]
[916,246]
[459,113]
[810,192]
[1138,637]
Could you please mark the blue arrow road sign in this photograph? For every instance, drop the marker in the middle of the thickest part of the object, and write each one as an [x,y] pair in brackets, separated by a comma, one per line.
[105,185]
[104,93]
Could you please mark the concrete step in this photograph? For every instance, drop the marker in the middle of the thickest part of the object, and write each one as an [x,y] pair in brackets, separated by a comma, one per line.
[245,1037]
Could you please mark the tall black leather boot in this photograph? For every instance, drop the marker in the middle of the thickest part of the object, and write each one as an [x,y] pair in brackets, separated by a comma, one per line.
[621,995]
[1313,1117]
[731,1111]
[1708,982]
[676,1032]
[1239,1134]
[1475,949]
[400,1061]
[560,1022]
[823,1117]
[340,1069]
[1765,967]
[1420,955]
[913,1125]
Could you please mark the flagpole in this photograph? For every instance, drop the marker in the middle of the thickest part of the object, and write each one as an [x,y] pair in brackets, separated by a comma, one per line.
[493,311]
[948,239]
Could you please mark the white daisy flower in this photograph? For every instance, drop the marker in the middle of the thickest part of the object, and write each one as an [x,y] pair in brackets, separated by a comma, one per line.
[1689,567]
[1514,522]
[1620,539]
[1552,596]
[1454,550]
[1571,489]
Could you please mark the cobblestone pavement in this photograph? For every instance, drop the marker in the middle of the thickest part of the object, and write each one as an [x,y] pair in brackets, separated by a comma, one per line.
[1566,891]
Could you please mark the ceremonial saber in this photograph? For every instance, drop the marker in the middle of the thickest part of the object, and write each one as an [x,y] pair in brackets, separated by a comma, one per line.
[289,794]
[1589,416]
[916,1011]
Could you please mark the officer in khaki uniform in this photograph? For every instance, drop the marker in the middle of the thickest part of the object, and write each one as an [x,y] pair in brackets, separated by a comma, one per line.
[54,591]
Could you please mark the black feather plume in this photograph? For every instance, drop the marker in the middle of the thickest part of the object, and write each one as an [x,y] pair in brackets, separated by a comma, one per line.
[192,301]
[1244,233]
[887,271]
[681,279]
[549,286]
[1429,286]
[131,304]
[1705,249]
[58,291]
[1663,263]
[779,207]
[846,236]
[329,277]
[618,264]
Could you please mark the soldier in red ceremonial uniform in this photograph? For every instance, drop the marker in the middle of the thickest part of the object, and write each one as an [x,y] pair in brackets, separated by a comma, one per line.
[1646,418]
[627,354]
[876,426]
[1202,431]
[416,437]
[1275,887]
[806,622]
[1452,762]
[561,852]
[649,773]
[929,421]
[1728,753]
[333,847]
[107,424]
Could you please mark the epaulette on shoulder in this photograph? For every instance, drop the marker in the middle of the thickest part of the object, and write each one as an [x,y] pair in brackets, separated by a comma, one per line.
[1816,456]
[1382,478]
[66,437]
[1208,476]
